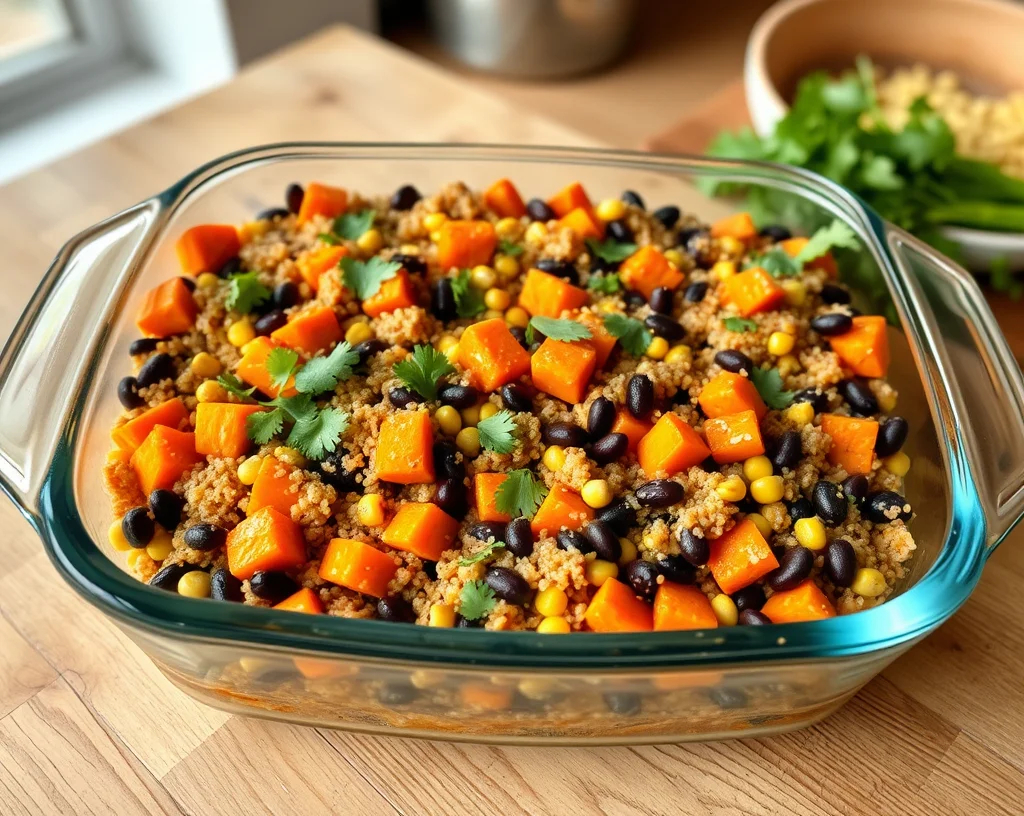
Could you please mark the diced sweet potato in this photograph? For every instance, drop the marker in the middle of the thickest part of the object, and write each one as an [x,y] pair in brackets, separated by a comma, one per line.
[404,449]
[221,428]
[395,293]
[601,339]
[563,370]
[634,429]
[752,291]
[561,508]
[485,489]
[465,243]
[171,413]
[503,198]
[322,199]
[491,355]
[616,608]
[207,247]
[305,600]
[310,332]
[484,696]
[734,437]
[421,528]
[314,263]
[273,487]
[670,447]
[729,393]
[680,607]
[740,556]
[568,199]
[252,369]
[647,269]
[267,540]
[865,347]
[545,295]
[739,225]
[167,309]
[164,455]
[805,602]
[793,247]
[584,223]
[853,442]
[358,566]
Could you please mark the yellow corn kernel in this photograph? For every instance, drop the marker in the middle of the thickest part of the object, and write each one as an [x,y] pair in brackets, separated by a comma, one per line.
[370,241]
[780,343]
[800,414]
[761,523]
[447,343]
[205,365]
[433,221]
[767,489]
[757,467]
[195,584]
[517,316]
[887,401]
[471,416]
[492,314]
[868,582]
[241,332]
[536,233]
[725,610]
[598,571]
[370,510]
[248,470]
[247,347]
[679,354]
[597,493]
[358,333]
[448,419]
[483,277]
[442,615]
[211,391]
[723,269]
[252,229]
[731,246]
[732,489]
[487,410]
[135,556]
[507,227]
[291,456]
[468,441]
[608,306]
[674,257]
[898,464]
[453,354]
[207,280]
[551,602]
[611,209]
[115,535]
[554,458]
[435,236]
[657,349]
[553,626]
[537,688]
[810,532]
[409,249]
[506,266]
[160,546]
[629,552]
[788,364]
[796,292]
[497,299]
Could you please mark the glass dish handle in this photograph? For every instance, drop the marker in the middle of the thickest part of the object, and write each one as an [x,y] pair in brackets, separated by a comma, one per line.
[45,362]
[981,388]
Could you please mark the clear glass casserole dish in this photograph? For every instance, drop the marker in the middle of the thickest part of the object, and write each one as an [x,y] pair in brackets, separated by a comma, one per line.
[961,391]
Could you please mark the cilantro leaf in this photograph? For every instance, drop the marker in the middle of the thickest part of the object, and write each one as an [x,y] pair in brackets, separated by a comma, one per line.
[301,406]
[235,386]
[329,239]
[483,554]
[776,262]
[836,234]
[520,494]
[423,370]
[610,250]
[263,426]
[607,284]
[324,373]
[768,383]
[477,599]
[739,324]
[557,329]
[508,248]
[280,365]
[319,432]
[245,292]
[469,301]
[635,338]
[497,432]
[352,225]
[364,278]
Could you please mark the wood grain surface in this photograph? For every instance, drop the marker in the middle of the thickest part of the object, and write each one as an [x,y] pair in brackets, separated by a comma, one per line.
[88,726]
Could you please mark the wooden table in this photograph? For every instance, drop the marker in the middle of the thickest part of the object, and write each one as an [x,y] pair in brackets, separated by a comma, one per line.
[87,725]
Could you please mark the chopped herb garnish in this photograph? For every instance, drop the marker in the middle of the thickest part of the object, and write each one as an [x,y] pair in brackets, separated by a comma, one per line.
[497,432]
[836,234]
[328,238]
[557,329]
[265,425]
[324,373]
[476,600]
[776,262]
[508,248]
[235,386]
[365,278]
[520,494]
[739,324]
[280,365]
[469,301]
[245,292]
[352,225]
[483,554]
[423,371]
[610,250]
[768,382]
[635,338]
[607,284]
[318,432]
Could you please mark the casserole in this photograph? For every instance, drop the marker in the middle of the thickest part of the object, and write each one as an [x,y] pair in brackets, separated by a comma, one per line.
[961,391]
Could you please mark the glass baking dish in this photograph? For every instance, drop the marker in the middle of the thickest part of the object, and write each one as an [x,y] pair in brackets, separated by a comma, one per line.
[960,389]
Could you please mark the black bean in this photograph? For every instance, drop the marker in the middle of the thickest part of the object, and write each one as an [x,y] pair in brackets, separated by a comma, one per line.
[286,295]
[517,397]
[776,232]
[643,577]
[519,537]
[450,496]
[156,368]
[232,266]
[696,291]
[270,322]
[603,540]
[754,617]
[560,269]
[402,397]
[225,587]
[623,703]
[609,448]
[446,461]
[442,300]
[430,569]
[815,396]
[661,300]
[333,472]
[786,451]
[859,396]
[166,506]
[368,348]
[395,609]
[619,231]
[829,502]
[538,210]
[832,323]
[833,294]
[566,434]
[659,493]
[466,623]
[572,540]
[734,361]
[190,283]
[487,531]
[640,396]
[667,215]
[840,562]
[800,509]
[392,694]
[891,436]
[458,396]
[519,333]
[601,417]
[677,569]
[204,536]
[167,579]
[293,195]
[137,527]
[750,597]
[508,585]
[886,506]
[128,393]
[272,586]
[855,488]
[694,549]
[270,213]
[664,326]
[143,345]
[404,197]
[794,566]
[619,516]
[633,198]
[413,264]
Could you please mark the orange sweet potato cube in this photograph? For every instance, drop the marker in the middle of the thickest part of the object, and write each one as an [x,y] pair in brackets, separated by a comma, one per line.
[601,339]
[583,222]
[752,291]
[171,413]
[252,368]
[561,508]
[563,370]
[422,529]
[616,608]
[729,393]
[405,449]
[485,489]
[734,437]
[647,269]
[548,296]
[805,602]
[568,199]
[679,607]
[322,199]
[465,243]
[310,332]
[634,429]
[865,347]
[358,566]
[221,428]
[671,447]
[503,198]
[740,556]
[305,600]
[491,355]
[395,293]
[739,225]
[273,487]
[167,309]
[267,540]
[853,442]
[314,263]
[206,248]
[165,454]
[793,247]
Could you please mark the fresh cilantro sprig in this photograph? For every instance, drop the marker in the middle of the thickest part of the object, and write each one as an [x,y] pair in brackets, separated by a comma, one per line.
[469,301]
[497,432]
[365,278]
[423,370]
[521,494]
[476,600]
[632,334]
[352,225]
[768,382]
[611,250]
[607,284]
[235,386]
[245,292]
[482,555]
[739,324]
[324,373]
[506,247]
[778,263]
[556,328]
